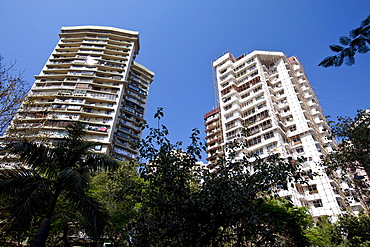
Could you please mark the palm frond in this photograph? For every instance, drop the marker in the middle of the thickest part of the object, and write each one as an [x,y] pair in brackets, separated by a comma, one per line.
[35,156]
[92,212]
[97,162]
[74,179]
[27,194]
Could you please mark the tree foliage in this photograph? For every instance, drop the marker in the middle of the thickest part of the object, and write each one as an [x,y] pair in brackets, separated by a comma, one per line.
[117,191]
[184,204]
[46,175]
[358,41]
[347,231]
[353,151]
[13,89]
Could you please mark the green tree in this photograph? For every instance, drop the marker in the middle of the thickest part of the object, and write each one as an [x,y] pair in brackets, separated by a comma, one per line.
[48,174]
[353,151]
[117,191]
[323,233]
[13,89]
[186,205]
[357,42]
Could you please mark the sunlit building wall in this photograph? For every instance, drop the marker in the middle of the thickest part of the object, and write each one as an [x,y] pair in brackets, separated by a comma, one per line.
[269,95]
[90,77]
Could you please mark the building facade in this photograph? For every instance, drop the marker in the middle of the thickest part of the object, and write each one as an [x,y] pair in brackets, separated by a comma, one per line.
[90,77]
[268,94]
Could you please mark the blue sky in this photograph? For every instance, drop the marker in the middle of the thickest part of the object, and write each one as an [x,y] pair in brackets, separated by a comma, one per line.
[180,38]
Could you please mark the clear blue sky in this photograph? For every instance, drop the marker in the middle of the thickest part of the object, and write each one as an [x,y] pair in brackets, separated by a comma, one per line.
[180,39]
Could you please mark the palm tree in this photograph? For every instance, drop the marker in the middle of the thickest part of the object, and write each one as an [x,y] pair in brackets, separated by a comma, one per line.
[47,174]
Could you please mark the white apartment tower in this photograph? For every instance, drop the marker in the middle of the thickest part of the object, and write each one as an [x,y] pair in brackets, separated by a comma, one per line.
[90,77]
[269,94]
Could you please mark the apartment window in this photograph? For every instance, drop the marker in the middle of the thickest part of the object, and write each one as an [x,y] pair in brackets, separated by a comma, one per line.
[223,71]
[98,147]
[255,141]
[259,97]
[259,152]
[228,107]
[299,150]
[261,106]
[317,203]
[226,99]
[289,119]
[230,125]
[254,130]
[245,95]
[271,146]
[240,66]
[257,89]
[249,112]
[269,135]
[247,103]
[229,116]
[313,189]
[292,128]
[296,139]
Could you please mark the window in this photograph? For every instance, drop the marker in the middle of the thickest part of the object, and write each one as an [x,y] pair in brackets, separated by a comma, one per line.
[259,97]
[261,106]
[269,135]
[259,152]
[317,203]
[299,150]
[229,116]
[257,89]
[255,141]
[289,119]
[292,128]
[226,99]
[312,189]
[98,147]
[271,146]
[245,95]
[228,107]
[296,139]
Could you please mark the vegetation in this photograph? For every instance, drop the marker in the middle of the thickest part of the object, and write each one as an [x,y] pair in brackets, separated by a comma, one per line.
[353,152]
[358,41]
[13,90]
[186,205]
[48,177]
[167,199]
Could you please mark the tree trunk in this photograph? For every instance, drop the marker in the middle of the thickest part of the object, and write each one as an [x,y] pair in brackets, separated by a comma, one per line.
[42,234]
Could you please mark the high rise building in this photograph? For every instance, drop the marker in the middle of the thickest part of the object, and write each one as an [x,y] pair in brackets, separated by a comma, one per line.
[269,95]
[90,77]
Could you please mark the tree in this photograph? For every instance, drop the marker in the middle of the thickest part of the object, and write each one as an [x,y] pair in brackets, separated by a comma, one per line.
[117,191]
[355,231]
[353,152]
[357,42]
[187,205]
[347,231]
[13,90]
[47,175]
